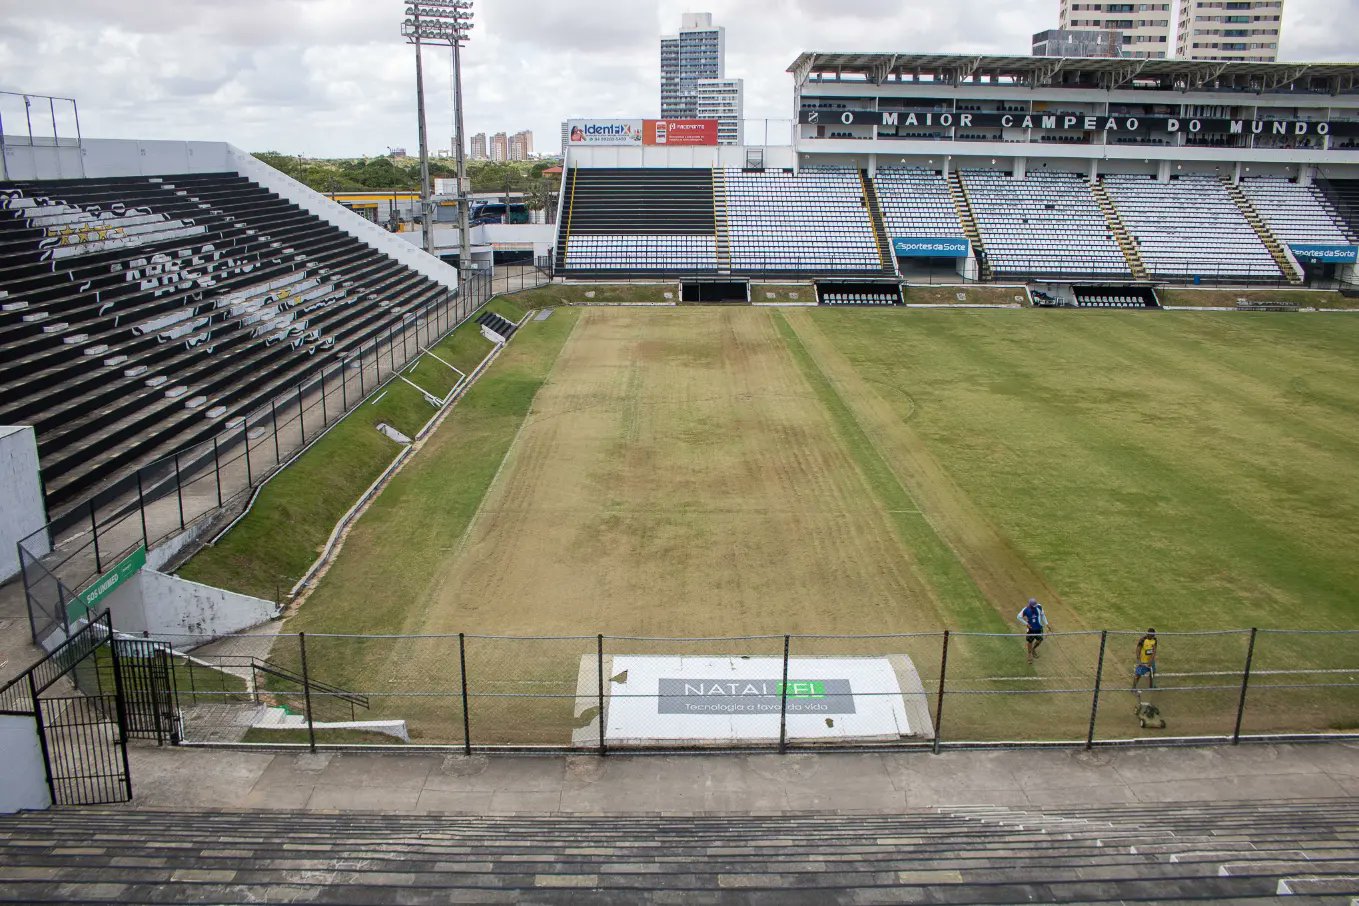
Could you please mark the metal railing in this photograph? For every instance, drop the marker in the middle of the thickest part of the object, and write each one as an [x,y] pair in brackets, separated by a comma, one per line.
[183,493]
[929,690]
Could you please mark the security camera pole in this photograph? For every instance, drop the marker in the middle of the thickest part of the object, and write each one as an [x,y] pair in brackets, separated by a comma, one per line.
[441,22]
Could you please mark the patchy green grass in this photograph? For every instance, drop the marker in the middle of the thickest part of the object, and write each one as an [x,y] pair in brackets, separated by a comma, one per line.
[599,294]
[1226,298]
[271,548]
[964,294]
[782,292]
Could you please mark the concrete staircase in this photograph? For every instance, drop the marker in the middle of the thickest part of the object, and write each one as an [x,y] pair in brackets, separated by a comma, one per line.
[1136,266]
[1215,850]
[1271,242]
[968,221]
[721,237]
[884,242]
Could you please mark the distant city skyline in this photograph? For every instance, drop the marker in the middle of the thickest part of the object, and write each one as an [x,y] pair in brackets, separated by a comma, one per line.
[334,79]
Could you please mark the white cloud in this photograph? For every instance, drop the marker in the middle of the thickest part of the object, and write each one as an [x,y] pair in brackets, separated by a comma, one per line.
[330,77]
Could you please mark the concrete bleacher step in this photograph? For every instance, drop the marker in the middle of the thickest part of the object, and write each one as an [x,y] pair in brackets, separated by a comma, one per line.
[1313,886]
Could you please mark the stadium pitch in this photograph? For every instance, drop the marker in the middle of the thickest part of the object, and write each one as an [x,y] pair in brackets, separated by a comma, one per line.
[743,471]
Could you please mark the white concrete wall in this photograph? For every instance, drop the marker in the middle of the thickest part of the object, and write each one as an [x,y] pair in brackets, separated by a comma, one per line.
[21,499]
[542,235]
[341,217]
[157,605]
[23,782]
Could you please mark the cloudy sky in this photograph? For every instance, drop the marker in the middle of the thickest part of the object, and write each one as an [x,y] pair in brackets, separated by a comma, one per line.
[332,77]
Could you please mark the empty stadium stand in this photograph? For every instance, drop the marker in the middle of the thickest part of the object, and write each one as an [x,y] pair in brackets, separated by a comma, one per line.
[817,221]
[841,292]
[1176,852]
[1296,213]
[1046,223]
[637,220]
[1114,297]
[916,203]
[1190,226]
[143,314]
[1343,196]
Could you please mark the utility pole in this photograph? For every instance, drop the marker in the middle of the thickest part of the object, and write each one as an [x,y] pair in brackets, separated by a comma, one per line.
[464,231]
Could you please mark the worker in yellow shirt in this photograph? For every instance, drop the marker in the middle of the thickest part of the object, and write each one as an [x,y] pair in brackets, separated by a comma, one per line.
[1145,663]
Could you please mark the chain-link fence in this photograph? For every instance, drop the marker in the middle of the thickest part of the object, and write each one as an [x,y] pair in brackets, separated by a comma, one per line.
[184,491]
[608,693]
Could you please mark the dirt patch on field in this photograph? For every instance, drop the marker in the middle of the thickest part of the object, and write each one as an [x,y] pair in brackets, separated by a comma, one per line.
[652,493]
[1226,298]
[965,295]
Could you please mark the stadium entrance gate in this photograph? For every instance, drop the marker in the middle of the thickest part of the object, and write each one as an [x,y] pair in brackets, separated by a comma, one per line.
[87,699]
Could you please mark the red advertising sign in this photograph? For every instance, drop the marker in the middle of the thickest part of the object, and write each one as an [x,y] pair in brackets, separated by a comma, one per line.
[679,132]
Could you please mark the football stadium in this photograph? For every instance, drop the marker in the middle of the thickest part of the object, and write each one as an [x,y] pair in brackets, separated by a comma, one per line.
[762,450]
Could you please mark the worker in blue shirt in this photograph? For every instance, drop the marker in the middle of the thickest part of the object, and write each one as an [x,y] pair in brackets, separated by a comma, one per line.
[1035,623]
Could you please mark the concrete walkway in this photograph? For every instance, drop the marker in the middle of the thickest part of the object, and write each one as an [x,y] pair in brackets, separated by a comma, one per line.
[736,784]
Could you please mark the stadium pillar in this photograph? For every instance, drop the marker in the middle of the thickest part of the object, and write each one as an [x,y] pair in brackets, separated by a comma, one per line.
[1245,683]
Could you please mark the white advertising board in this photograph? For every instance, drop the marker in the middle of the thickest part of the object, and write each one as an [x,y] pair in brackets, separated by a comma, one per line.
[604,132]
[717,699]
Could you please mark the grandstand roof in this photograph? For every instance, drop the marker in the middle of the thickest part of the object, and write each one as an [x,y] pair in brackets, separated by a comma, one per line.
[1104,72]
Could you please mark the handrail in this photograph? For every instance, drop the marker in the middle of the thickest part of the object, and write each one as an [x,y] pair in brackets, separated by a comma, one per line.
[284,673]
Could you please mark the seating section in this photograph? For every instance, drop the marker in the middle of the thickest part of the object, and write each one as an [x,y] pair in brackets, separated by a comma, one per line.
[916,203]
[1296,213]
[140,315]
[1114,297]
[1044,224]
[638,220]
[503,327]
[633,252]
[1219,851]
[814,222]
[1190,227]
[1343,197]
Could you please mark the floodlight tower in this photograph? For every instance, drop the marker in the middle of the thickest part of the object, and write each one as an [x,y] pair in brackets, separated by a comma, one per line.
[441,22]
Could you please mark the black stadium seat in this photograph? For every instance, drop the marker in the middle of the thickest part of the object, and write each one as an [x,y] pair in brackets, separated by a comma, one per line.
[140,315]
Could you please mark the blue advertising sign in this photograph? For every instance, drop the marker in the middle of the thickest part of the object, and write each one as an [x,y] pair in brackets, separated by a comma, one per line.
[1327,254]
[931,247]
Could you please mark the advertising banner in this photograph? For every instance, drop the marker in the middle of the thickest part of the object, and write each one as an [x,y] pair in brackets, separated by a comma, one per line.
[1326,254]
[679,132]
[78,606]
[604,132]
[1043,122]
[931,247]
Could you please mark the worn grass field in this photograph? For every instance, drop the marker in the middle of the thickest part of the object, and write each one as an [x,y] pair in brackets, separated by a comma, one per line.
[1226,298]
[746,472]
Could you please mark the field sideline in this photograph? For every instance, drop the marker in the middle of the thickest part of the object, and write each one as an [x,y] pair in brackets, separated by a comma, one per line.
[690,472]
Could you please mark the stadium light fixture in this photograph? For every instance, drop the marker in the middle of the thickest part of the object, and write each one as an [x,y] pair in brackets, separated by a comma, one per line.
[442,22]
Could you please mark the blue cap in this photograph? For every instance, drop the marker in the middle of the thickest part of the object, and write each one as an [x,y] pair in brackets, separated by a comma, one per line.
[1033,600]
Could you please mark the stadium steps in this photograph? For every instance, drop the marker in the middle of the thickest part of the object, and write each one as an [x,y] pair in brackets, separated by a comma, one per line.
[957,189]
[1136,266]
[885,253]
[1267,237]
[564,233]
[1250,851]
[721,236]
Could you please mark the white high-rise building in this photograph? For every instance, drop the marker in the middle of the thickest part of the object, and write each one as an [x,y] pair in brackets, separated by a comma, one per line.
[1145,26]
[697,52]
[1239,30]
[722,100]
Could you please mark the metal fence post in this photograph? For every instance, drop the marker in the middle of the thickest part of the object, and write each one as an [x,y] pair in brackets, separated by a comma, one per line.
[466,717]
[391,346]
[1245,683]
[783,700]
[599,669]
[217,470]
[939,703]
[42,738]
[141,508]
[344,388]
[301,415]
[120,702]
[325,412]
[94,532]
[306,690]
[1094,701]
[179,492]
[249,472]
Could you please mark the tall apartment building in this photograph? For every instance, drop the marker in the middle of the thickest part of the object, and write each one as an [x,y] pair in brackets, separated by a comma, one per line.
[697,52]
[521,145]
[478,150]
[1145,26]
[722,100]
[1242,30]
[1078,42]
[500,147]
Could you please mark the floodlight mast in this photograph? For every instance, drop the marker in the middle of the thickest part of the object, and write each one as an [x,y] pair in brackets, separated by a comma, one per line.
[442,22]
